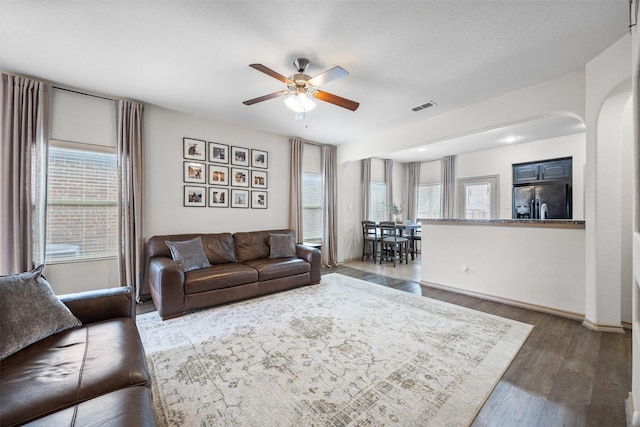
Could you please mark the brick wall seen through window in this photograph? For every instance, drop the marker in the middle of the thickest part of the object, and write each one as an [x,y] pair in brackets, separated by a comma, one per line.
[82,204]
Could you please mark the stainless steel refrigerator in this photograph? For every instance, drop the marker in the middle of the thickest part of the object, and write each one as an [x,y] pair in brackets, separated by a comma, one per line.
[550,200]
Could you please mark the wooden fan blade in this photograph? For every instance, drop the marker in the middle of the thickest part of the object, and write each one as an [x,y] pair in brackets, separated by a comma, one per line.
[268,71]
[265,97]
[336,100]
[328,76]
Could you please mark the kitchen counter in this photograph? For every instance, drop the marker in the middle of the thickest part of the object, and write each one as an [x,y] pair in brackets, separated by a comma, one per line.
[547,223]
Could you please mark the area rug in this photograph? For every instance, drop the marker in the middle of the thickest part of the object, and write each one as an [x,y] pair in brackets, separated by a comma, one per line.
[342,353]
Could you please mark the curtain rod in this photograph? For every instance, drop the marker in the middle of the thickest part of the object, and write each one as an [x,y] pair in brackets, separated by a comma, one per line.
[84,93]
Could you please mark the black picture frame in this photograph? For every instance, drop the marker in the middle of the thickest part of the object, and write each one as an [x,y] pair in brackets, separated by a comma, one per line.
[239,156]
[259,179]
[218,153]
[259,159]
[195,172]
[194,149]
[218,175]
[239,177]
[259,199]
[218,197]
[239,198]
[195,196]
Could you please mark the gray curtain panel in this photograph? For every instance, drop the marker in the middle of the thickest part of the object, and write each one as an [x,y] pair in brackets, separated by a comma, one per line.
[448,187]
[131,176]
[388,180]
[329,233]
[366,188]
[25,152]
[413,183]
[295,189]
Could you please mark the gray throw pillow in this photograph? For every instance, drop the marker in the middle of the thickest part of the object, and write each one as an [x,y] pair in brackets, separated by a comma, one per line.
[189,254]
[282,246]
[30,311]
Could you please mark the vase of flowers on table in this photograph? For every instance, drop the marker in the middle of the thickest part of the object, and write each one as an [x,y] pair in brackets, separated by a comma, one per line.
[395,210]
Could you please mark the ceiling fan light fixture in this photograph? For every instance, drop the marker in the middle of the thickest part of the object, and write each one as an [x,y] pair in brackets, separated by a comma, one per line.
[300,103]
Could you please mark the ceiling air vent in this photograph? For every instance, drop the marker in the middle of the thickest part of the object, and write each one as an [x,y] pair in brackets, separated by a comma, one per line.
[423,106]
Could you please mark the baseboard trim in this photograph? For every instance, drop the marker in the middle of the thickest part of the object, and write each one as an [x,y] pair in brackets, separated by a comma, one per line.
[633,417]
[598,327]
[507,301]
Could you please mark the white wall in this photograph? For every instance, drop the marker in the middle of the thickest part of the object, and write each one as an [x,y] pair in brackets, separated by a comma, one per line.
[164,210]
[608,88]
[537,266]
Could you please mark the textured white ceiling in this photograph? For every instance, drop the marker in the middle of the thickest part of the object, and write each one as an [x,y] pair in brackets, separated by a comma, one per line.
[193,56]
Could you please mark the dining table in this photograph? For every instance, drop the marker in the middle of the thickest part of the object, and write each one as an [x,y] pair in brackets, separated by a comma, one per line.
[411,228]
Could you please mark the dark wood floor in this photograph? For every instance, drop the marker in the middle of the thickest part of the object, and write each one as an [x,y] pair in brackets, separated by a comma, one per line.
[564,374]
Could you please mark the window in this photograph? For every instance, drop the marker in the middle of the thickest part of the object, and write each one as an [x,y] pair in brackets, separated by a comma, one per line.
[312,202]
[478,197]
[82,202]
[378,207]
[429,201]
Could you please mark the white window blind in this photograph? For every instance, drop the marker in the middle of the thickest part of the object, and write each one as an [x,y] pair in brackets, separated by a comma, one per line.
[312,201]
[82,203]
[378,207]
[429,201]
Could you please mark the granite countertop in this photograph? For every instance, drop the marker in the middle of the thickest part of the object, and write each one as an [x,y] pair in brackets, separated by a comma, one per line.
[558,223]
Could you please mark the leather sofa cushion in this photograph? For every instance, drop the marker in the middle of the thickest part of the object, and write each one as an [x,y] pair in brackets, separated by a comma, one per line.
[219,248]
[254,244]
[276,268]
[131,406]
[218,277]
[70,367]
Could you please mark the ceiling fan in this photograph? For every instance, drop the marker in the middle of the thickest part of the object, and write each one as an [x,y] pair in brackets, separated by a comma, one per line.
[301,87]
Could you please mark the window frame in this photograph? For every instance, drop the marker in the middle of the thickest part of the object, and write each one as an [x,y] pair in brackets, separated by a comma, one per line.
[306,238]
[373,210]
[438,214]
[494,186]
[91,148]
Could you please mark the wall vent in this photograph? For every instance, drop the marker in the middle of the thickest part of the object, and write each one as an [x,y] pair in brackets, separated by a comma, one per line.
[423,106]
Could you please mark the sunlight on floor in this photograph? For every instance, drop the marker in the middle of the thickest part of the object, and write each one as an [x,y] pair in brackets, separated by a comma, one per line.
[410,272]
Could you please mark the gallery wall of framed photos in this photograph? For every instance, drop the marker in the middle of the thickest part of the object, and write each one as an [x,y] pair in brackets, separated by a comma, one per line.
[218,175]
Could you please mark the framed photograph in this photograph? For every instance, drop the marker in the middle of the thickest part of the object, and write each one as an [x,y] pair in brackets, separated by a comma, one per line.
[239,156]
[259,199]
[195,172]
[218,153]
[218,197]
[239,177]
[239,198]
[218,175]
[259,159]
[194,149]
[258,179]
[194,196]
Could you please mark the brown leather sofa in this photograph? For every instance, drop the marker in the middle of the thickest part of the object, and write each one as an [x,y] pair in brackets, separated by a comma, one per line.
[92,375]
[241,269]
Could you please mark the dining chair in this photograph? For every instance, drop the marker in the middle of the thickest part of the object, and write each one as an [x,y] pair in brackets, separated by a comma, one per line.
[393,245]
[370,237]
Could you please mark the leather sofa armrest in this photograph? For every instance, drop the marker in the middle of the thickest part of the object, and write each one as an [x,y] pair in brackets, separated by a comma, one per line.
[166,283]
[313,257]
[101,304]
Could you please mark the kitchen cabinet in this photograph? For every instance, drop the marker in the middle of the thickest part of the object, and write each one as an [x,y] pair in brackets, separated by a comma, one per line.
[523,174]
[549,170]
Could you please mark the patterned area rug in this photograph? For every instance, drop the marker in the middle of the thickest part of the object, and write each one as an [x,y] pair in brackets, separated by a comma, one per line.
[342,353]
